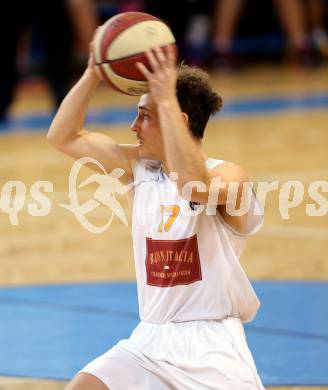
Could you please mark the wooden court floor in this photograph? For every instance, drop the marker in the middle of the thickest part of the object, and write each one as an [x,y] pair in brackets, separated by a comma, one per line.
[30,384]
[281,146]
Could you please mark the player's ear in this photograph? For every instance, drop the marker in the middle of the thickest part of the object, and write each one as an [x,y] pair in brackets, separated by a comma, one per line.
[185,118]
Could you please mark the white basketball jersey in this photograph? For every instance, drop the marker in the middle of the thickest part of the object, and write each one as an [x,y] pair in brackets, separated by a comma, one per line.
[186,256]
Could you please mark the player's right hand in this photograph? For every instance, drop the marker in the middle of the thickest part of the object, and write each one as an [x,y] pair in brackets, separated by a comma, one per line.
[92,68]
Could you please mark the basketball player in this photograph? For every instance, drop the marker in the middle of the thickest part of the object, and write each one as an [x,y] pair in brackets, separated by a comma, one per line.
[193,293]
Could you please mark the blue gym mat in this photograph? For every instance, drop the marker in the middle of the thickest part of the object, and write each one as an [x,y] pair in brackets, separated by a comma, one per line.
[53,331]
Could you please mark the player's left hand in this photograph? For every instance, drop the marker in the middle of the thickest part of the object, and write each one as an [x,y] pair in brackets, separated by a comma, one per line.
[163,75]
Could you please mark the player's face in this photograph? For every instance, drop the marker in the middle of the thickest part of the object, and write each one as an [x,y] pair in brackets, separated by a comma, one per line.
[147,128]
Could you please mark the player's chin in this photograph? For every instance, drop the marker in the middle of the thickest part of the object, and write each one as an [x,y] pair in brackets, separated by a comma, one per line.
[143,151]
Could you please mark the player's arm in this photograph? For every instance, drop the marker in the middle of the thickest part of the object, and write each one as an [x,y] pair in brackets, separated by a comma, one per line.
[182,152]
[67,134]
[196,182]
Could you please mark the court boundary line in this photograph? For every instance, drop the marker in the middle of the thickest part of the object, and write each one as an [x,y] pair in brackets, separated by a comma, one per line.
[254,106]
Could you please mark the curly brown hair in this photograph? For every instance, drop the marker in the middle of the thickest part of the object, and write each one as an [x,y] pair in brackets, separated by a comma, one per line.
[196,98]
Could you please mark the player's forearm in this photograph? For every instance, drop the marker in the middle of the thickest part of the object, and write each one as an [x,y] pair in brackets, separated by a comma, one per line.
[71,113]
[182,152]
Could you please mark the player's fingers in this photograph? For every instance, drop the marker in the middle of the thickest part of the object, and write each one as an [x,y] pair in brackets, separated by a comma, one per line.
[91,48]
[152,61]
[159,53]
[92,59]
[171,55]
[144,70]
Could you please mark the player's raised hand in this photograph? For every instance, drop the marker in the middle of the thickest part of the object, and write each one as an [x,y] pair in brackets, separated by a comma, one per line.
[163,75]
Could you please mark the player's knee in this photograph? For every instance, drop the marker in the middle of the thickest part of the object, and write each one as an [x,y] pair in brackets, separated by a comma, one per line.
[84,381]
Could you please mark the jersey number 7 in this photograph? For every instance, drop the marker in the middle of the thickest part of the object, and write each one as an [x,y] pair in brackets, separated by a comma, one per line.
[168,216]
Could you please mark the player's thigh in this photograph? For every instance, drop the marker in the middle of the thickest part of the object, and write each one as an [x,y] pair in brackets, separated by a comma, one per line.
[122,369]
[85,381]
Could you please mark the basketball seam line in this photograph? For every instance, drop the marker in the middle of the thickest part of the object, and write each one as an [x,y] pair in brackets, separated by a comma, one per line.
[129,56]
[119,75]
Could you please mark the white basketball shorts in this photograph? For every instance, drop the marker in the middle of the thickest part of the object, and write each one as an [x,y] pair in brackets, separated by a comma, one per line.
[193,355]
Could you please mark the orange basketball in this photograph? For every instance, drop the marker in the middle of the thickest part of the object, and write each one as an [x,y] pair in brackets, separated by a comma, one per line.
[121,42]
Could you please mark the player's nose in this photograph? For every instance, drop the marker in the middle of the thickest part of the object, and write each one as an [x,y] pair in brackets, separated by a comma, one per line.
[135,127]
[133,124]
